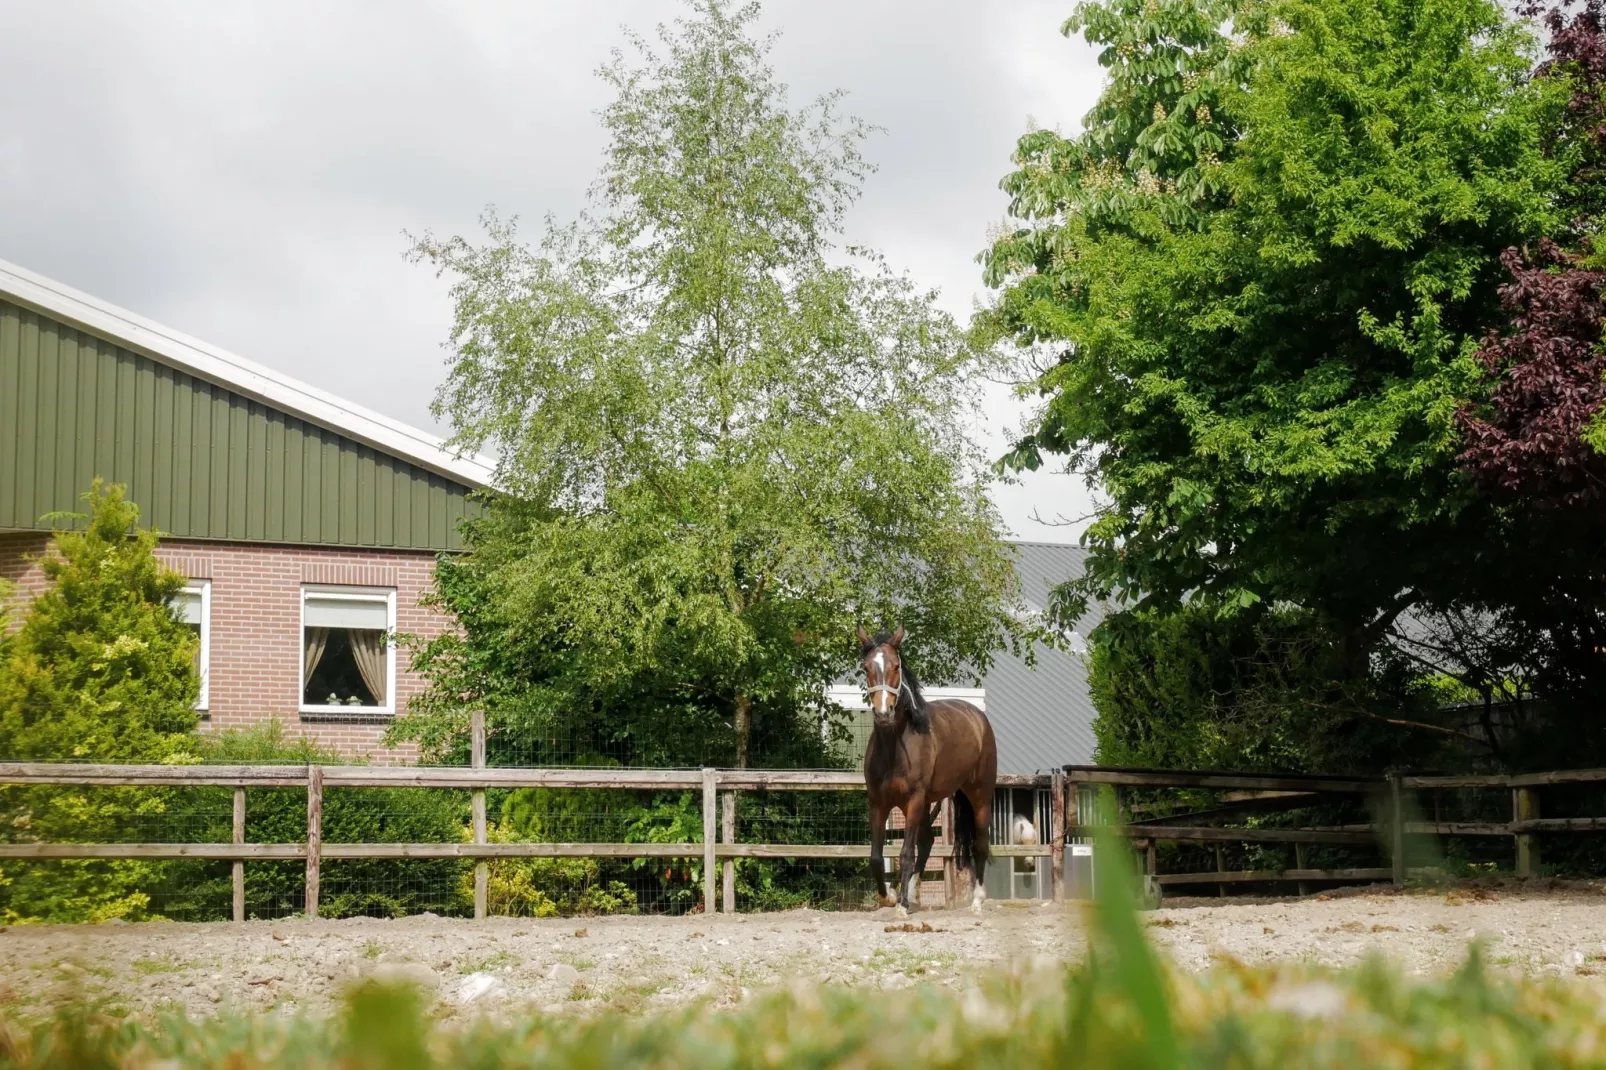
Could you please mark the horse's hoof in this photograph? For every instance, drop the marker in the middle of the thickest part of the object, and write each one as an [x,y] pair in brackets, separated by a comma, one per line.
[902,911]
[886,901]
[975,907]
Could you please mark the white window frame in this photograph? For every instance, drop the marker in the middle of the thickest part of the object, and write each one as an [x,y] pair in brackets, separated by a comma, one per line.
[349,594]
[204,661]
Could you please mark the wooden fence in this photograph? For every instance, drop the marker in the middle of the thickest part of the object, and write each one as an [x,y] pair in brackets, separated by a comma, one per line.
[718,841]
[1391,798]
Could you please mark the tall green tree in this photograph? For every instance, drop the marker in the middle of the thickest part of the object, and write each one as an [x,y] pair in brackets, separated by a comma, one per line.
[730,437]
[101,669]
[1258,280]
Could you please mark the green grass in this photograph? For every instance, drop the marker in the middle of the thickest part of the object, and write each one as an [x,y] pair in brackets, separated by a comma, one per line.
[146,967]
[494,961]
[1233,1017]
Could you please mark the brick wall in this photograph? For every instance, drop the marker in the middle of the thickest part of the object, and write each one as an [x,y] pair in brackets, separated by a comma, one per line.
[19,565]
[255,640]
[255,656]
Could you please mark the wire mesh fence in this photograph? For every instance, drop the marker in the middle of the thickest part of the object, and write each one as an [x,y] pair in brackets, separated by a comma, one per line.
[555,844]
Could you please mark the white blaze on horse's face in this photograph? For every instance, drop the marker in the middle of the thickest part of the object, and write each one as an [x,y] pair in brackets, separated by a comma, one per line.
[883,692]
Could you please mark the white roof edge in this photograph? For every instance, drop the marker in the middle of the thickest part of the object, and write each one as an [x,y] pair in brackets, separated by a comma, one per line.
[246,377]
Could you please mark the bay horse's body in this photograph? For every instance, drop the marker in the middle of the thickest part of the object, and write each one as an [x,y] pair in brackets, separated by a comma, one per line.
[921,753]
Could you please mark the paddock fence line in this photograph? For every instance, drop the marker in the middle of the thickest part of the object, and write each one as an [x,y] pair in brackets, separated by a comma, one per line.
[1395,805]
[717,786]
[1199,813]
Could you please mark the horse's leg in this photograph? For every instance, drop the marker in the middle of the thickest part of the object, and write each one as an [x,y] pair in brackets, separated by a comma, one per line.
[878,866]
[914,821]
[982,806]
[928,835]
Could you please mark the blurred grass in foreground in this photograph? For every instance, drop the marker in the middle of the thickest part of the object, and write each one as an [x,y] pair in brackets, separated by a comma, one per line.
[1120,1008]
[1234,1017]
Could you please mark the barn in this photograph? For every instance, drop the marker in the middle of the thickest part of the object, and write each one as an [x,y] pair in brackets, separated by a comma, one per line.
[307,527]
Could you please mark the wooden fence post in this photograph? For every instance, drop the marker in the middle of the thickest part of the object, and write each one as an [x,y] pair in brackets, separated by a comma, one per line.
[1299,863]
[314,835]
[1221,867]
[710,880]
[950,868]
[238,876]
[727,833]
[1525,807]
[1397,827]
[477,760]
[1056,833]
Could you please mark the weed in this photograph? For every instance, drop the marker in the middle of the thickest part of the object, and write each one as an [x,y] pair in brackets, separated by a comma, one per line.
[146,967]
[494,961]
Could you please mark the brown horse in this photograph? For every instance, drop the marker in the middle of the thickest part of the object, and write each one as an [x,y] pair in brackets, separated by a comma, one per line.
[920,753]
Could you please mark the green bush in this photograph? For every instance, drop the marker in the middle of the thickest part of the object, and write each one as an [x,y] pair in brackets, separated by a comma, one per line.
[380,887]
[543,887]
[102,670]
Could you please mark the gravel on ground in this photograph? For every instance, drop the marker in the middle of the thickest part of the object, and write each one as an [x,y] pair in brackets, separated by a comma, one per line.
[569,965]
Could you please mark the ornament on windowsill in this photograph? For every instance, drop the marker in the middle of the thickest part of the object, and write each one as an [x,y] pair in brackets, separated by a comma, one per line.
[332,700]
[354,701]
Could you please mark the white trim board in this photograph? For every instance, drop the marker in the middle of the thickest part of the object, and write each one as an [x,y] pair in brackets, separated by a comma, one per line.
[851,696]
[238,374]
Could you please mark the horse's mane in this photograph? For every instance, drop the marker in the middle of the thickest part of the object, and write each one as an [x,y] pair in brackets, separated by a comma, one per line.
[919,717]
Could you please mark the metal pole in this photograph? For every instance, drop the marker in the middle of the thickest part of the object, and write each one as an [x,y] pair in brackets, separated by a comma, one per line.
[1057,786]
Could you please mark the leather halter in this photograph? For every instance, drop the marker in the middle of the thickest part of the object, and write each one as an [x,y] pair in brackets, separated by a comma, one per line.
[895,692]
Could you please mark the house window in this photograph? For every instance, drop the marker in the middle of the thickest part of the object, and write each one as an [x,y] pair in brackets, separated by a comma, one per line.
[193,605]
[348,658]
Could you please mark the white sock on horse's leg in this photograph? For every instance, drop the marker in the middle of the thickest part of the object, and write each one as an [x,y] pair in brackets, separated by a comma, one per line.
[978,896]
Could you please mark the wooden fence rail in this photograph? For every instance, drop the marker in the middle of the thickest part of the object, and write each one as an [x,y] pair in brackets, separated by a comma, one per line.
[1242,794]
[318,780]
[1392,796]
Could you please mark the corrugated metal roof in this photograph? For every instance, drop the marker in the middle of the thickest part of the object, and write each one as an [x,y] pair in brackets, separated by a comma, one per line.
[201,461]
[1042,714]
[238,375]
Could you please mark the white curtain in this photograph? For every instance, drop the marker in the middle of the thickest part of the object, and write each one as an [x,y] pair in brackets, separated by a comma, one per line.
[368,651]
[316,639]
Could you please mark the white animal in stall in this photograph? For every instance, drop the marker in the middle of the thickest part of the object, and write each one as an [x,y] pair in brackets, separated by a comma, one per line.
[1023,832]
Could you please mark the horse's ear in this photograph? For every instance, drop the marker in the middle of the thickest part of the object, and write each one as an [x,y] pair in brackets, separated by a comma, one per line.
[897,637]
[864,636]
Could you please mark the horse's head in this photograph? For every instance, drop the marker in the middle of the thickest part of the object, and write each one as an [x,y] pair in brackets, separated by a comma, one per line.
[890,686]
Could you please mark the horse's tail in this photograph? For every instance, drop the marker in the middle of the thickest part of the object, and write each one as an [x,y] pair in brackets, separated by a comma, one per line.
[964,832]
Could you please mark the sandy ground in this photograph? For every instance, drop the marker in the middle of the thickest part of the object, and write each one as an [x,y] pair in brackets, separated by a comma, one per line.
[635,964]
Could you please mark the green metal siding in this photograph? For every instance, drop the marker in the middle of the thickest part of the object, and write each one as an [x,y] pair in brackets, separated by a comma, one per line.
[201,461]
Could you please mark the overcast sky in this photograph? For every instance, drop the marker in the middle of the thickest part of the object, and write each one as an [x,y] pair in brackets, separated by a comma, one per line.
[244,172]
